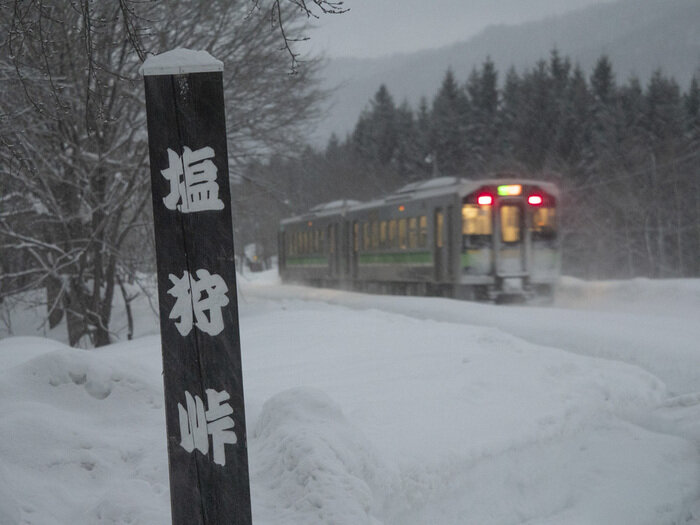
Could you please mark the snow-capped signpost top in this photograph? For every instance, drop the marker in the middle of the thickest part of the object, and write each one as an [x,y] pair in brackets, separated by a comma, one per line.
[205,417]
[181,61]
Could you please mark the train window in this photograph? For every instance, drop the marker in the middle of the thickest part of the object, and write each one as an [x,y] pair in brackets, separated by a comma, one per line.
[544,225]
[439,228]
[365,236]
[422,231]
[511,218]
[402,234]
[382,234]
[375,235]
[393,234]
[412,233]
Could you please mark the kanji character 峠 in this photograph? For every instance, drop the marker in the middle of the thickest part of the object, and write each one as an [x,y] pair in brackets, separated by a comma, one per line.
[196,424]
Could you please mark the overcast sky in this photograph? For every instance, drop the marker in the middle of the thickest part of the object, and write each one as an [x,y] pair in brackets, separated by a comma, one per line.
[381,27]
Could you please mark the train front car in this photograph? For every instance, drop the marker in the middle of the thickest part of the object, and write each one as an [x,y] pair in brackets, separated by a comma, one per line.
[510,246]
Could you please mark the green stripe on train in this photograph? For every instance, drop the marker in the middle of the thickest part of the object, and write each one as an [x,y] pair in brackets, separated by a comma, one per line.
[397,258]
[307,261]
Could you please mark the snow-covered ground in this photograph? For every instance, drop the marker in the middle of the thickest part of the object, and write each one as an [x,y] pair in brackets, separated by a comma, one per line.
[383,410]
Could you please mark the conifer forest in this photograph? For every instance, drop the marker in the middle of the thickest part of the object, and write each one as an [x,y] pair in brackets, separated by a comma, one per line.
[625,153]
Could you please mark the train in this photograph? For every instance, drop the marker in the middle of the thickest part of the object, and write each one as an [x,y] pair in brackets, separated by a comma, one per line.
[494,239]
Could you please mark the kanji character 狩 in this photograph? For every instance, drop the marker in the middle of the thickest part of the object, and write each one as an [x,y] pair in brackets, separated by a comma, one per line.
[195,298]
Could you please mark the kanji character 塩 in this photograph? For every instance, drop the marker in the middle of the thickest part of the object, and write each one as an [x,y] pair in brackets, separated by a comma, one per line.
[192,181]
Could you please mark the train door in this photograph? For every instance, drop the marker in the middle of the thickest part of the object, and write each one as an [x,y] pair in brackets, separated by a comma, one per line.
[332,250]
[439,255]
[345,248]
[448,241]
[355,249]
[511,245]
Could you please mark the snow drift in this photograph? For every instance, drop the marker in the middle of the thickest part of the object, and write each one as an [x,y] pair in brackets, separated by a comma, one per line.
[376,410]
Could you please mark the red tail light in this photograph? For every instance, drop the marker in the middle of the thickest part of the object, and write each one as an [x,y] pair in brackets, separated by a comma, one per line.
[484,199]
[535,200]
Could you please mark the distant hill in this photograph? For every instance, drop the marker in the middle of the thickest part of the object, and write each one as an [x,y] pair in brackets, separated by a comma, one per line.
[639,36]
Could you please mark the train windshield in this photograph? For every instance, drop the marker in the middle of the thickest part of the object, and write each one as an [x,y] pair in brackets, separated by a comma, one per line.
[476,226]
[544,224]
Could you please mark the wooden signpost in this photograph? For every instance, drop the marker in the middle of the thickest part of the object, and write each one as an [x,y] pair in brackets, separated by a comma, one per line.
[205,417]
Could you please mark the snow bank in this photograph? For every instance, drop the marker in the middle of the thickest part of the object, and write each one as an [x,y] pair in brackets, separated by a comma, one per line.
[9,510]
[310,465]
[474,425]
[665,344]
[82,437]
[664,297]
[376,410]
[580,479]
[17,350]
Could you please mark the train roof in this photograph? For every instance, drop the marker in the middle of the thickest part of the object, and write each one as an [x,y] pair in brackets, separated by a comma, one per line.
[334,205]
[463,187]
[337,207]
[418,190]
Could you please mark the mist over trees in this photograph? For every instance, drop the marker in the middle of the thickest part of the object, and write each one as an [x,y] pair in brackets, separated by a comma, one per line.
[626,154]
[75,199]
